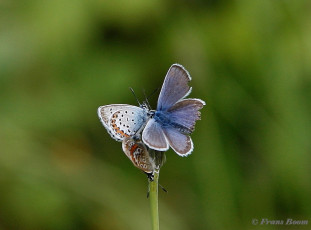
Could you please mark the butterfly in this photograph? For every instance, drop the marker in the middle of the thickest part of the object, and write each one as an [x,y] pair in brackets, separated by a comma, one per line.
[174,119]
[140,156]
[168,126]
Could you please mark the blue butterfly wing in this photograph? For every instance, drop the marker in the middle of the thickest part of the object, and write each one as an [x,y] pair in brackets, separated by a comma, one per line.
[174,88]
[182,117]
[180,143]
[184,114]
[174,118]
[154,137]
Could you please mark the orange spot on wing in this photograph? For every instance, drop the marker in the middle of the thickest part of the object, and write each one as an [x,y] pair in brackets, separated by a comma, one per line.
[117,130]
[132,150]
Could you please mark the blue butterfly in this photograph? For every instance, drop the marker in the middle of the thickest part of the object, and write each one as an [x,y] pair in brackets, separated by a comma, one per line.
[174,119]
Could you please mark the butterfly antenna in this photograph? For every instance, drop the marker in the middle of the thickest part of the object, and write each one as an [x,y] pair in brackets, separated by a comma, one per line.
[164,190]
[147,102]
[134,95]
[153,92]
[148,192]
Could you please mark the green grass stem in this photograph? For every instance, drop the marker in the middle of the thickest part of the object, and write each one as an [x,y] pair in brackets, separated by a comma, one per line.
[153,196]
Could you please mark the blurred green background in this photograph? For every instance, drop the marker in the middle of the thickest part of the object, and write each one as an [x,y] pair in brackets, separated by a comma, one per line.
[61,59]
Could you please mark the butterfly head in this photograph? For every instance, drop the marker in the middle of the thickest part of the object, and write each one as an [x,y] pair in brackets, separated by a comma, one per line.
[145,105]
